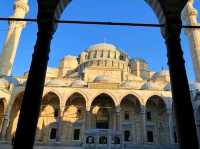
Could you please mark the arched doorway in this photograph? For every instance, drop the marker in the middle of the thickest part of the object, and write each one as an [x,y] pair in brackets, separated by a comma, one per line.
[102,119]
[156,121]
[103,112]
[48,121]
[73,119]
[130,119]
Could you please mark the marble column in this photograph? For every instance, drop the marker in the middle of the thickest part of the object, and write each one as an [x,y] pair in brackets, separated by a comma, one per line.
[58,127]
[118,120]
[4,128]
[11,42]
[87,119]
[170,126]
[198,130]
[143,124]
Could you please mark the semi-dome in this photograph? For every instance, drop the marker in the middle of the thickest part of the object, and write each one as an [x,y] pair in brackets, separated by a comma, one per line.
[132,84]
[153,86]
[102,79]
[78,83]
[56,82]
[102,46]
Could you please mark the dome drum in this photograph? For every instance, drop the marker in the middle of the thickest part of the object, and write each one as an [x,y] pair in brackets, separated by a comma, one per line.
[78,84]
[102,79]
[56,83]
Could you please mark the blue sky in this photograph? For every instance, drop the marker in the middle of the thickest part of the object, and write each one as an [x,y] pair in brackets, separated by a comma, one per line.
[145,43]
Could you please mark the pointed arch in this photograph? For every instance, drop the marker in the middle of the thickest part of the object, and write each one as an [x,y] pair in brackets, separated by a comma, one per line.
[102,111]
[51,98]
[157,100]
[109,94]
[156,114]
[75,106]
[81,93]
[132,98]
[14,114]
[49,112]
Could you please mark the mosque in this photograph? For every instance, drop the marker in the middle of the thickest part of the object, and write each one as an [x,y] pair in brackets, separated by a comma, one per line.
[100,98]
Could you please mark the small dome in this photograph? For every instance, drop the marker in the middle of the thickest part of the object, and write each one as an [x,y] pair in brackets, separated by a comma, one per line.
[194,86]
[132,84]
[4,83]
[56,82]
[102,46]
[153,86]
[167,87]
[162,76]
[164,72]
[6,80]
[70,57]
[78,83]
[102,79]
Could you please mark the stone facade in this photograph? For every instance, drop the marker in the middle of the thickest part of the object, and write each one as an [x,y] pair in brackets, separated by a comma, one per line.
[101,96]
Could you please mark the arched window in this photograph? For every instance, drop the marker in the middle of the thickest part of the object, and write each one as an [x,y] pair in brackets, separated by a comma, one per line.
[79,112]
[56,112]
[148,115]
[103,140]
[175,137]
[76,134]
[102,119]
[53,133]
[126,115]
[127,135]
[149,136]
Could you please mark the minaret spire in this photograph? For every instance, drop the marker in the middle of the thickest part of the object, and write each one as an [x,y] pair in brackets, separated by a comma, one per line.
[13,35]
[190,18]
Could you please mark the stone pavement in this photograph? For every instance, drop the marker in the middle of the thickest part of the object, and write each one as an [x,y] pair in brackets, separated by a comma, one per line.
[8,146]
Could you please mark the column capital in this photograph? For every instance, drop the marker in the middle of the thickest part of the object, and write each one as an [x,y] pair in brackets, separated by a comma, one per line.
[169,110]
[142,110]
[87,108]
[118,109]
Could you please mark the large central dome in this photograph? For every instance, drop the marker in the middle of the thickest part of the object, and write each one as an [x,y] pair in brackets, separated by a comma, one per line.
[102,46]
[102,51]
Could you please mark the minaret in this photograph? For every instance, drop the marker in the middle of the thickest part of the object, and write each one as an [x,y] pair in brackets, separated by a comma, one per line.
[190,18]
[13,35]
